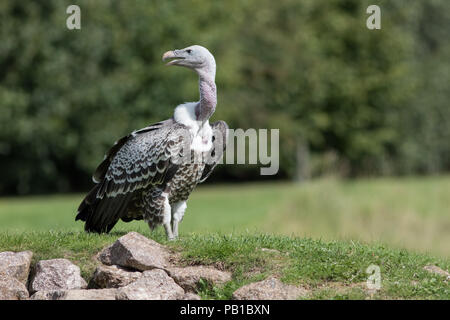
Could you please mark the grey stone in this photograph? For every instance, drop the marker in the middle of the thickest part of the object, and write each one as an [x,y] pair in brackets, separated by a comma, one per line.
[153,285]
[79,294]
[48,295]
[56,274]
[189,277]
[438,271]
[269,289]
[12,289]
[113,277]
[191,296]
[16,264]
[135,251]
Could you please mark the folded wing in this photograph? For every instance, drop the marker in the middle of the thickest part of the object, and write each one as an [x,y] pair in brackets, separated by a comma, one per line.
[145,157]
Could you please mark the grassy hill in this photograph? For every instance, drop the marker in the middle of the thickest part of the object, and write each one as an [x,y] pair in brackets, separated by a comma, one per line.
[329,270]
[325,233]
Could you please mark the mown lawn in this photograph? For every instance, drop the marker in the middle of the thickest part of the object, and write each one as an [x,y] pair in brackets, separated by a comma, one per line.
[327,233]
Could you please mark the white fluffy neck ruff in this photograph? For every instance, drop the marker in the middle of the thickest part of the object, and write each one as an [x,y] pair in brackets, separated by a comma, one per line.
[201,134]
[185,114]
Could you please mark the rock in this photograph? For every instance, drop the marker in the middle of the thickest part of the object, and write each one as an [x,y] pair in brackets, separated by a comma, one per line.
[135,251]
[56,274]
[189,277]
[16,264]
[191,296]
[269,289]
[113,277]
[438,271]
[92,294]
[12,289]
[153,285]
[48,295]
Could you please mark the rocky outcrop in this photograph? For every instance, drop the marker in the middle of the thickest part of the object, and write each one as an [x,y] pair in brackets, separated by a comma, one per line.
[269,289]
[189,277]
[191,296]
[56,274]
[133,268]
[153,285]
[16,264]
[93,294]
[113,277]
[11,288]
[135,251]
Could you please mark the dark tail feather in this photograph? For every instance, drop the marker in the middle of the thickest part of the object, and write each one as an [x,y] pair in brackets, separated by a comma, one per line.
[101,215]
[87,204]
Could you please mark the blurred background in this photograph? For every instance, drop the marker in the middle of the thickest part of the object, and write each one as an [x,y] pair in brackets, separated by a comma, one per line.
[363,114]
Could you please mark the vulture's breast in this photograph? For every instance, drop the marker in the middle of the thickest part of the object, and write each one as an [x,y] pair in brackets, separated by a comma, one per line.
[184,181]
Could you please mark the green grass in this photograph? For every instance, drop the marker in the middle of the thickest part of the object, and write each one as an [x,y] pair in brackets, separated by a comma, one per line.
[327,231]
[217,208]
[329,270]
[411,213]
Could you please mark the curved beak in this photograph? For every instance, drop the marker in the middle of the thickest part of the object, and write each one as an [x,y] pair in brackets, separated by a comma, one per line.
[171,55]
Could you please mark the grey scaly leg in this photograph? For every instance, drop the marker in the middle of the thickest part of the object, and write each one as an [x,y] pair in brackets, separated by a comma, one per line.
[178,210]
[167,217]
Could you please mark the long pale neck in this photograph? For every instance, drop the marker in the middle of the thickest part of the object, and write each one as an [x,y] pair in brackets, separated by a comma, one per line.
[208,96]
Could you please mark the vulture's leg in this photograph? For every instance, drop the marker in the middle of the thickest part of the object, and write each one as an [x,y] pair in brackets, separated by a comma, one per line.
[177,215]
[167,217]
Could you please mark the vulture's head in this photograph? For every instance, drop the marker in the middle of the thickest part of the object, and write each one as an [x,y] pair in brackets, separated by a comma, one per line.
[194,57]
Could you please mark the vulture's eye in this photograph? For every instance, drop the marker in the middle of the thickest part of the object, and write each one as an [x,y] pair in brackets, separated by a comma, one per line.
[189,51]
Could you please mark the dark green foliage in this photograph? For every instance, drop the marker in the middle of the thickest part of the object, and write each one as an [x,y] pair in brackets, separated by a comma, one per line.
[377,100]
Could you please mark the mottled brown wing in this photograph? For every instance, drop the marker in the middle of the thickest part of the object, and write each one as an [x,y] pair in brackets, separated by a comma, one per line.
[145,157]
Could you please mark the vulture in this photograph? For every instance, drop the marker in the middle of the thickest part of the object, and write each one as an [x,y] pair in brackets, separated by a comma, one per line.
[149,174]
